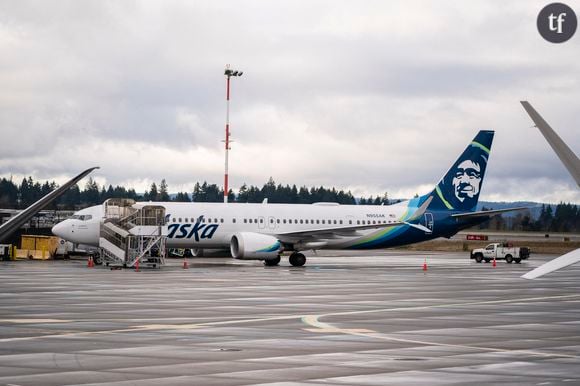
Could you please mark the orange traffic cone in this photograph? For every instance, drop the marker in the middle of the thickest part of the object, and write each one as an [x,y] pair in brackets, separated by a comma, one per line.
[494,264]
[137,266]
[185,266]
[425,265]
[90,262]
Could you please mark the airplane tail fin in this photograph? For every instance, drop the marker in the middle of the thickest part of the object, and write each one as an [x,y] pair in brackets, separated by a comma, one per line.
[459,189]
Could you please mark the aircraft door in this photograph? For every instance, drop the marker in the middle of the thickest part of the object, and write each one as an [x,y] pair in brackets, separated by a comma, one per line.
[271,222]
[429,222]
[261,222]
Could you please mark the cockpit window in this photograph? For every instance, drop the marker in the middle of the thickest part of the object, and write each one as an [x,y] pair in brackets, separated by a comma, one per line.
[82,217]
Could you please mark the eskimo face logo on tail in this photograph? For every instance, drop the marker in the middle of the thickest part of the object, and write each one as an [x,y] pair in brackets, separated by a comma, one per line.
[467,180]
[460,188]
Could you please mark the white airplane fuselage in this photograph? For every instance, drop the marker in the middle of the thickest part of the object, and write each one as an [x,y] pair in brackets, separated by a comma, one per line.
[263,231]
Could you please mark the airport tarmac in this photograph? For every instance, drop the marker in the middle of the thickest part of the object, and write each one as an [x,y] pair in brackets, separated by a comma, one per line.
[346,318]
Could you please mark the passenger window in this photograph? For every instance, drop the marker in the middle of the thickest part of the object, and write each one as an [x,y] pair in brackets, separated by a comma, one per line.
[221,220]
[306,221]
[350,222]
[334,222]
[174,219]
[340,222]
[324,221]
[318,221]
[284,221]
[234,220]
[278,221]
[300,221]
[357,222]
[256,220]
[261,220]
[245,221]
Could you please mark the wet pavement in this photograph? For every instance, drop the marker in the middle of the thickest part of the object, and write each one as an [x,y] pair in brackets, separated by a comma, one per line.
[346,318]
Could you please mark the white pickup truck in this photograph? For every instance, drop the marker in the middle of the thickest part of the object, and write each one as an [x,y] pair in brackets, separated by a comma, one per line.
[500,251]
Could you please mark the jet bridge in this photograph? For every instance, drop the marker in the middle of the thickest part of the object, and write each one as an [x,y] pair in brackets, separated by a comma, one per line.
[131,236]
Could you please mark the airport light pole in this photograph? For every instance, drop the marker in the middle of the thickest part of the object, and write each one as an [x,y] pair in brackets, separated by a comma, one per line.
[228,73]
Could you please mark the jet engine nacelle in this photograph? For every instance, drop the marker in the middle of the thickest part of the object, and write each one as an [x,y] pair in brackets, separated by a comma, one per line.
[254,246]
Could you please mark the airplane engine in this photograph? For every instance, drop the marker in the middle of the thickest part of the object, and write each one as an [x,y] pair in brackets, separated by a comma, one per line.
[254,246]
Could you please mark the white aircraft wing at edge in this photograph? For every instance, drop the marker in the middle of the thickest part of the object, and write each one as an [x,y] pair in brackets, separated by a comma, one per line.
[570,160]
[554,265]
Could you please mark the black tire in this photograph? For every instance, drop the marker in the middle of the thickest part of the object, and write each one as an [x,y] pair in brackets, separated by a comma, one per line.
[518,261]
[509,259]
[479,257]
[272,262]
[97,260]
[487,260]
[297,259]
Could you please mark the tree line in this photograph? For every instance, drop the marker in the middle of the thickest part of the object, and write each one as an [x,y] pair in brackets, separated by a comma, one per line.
[565,218]
[13,196]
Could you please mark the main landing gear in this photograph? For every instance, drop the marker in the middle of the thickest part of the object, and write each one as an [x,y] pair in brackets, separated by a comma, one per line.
[272,262]
[297,259]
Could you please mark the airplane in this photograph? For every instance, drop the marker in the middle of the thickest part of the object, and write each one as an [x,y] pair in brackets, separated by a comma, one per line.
[571,162]
[25,215]
[263,231]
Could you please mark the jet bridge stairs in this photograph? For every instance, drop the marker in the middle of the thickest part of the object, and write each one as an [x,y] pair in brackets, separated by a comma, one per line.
[132,236]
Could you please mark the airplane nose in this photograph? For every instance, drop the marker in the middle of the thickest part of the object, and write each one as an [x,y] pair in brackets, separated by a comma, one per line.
[59,230]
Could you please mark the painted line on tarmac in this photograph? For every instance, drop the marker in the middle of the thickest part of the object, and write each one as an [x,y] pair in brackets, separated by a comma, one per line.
[152,327]
[321,327]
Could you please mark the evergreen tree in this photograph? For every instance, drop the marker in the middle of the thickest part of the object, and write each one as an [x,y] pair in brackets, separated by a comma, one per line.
[153,193]
[163,193]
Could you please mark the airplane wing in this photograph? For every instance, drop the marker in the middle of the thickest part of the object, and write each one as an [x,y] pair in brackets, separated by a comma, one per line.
[566,155]
[17,221]
[484,213]
[554,265]
[571,162]
[351,230]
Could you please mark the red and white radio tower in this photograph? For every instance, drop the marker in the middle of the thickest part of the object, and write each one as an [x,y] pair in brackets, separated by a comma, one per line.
[228,73]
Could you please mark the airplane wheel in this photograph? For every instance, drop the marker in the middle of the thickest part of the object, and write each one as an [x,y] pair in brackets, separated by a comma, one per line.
[297,259]
[272,262]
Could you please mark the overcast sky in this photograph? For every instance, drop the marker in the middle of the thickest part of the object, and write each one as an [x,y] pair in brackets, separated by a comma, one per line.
[370,96]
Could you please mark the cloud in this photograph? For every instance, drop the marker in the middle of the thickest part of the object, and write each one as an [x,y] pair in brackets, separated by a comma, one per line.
[369,96]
